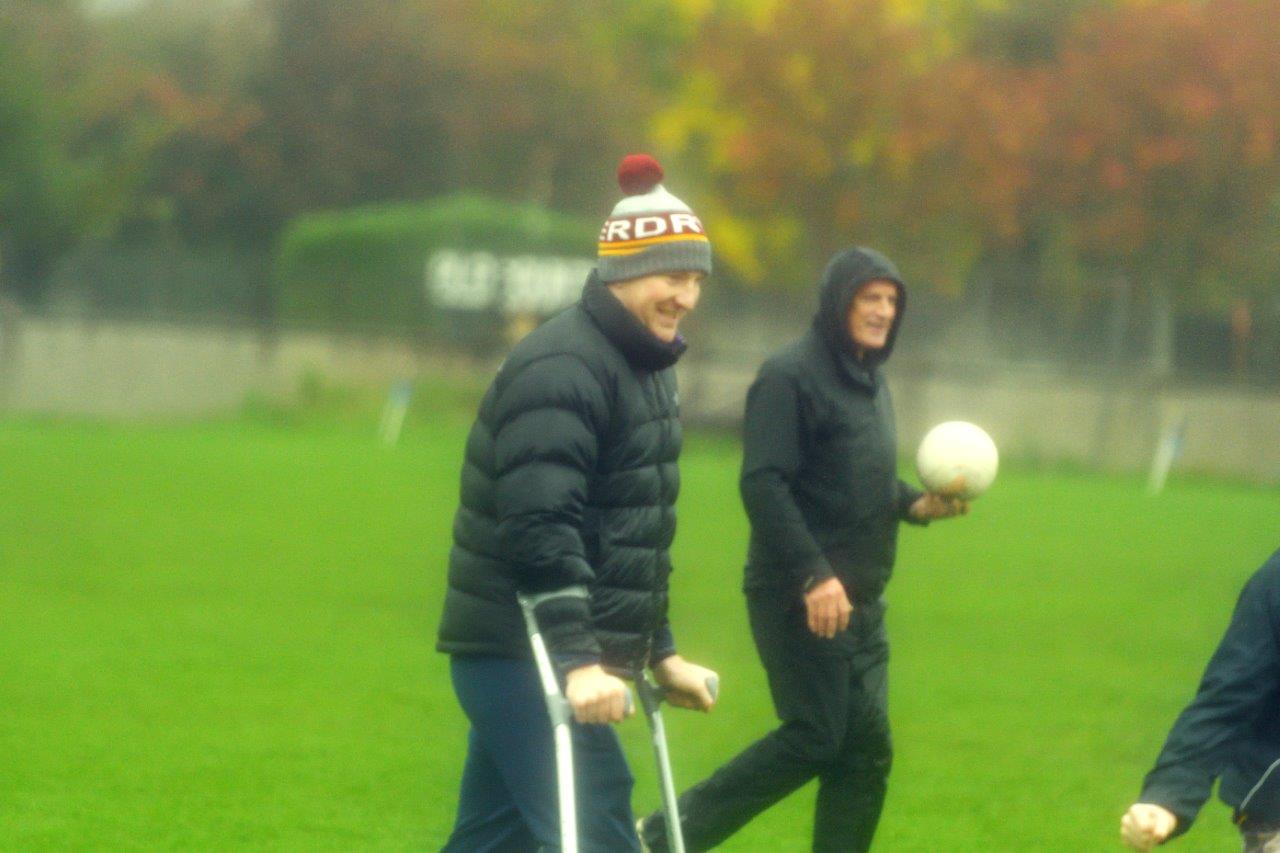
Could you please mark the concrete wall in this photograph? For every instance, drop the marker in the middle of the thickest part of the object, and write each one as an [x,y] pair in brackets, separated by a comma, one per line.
[149,370]
[122,370]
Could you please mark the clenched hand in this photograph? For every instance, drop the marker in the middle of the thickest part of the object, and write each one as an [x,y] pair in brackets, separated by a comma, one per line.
[596,696]
[828,608]
[685,683]
[1145,825]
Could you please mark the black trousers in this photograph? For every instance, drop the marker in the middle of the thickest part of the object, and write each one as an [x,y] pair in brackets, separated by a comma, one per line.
[832,699]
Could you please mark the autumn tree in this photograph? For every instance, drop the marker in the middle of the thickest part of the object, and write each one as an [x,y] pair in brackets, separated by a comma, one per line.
[56,184]
[1129,170]
[797,114]
[400,99]
[1166,143]
[194,87]
[119,123]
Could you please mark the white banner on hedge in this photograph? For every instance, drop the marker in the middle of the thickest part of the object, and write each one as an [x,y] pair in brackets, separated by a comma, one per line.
[520,284]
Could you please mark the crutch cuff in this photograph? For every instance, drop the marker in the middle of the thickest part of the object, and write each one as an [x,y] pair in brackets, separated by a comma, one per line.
[564,620]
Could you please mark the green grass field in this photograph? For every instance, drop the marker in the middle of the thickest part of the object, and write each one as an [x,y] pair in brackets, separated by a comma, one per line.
[221,636]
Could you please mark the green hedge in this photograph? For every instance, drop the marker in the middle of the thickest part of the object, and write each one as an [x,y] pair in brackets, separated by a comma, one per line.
[366,266]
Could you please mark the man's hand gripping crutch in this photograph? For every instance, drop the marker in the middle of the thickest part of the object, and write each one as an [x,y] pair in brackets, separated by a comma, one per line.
[684,685]
[593,695]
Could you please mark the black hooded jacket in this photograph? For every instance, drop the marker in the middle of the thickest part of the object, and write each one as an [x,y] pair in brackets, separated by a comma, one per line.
[819,469]
[1231,730]
[570,480]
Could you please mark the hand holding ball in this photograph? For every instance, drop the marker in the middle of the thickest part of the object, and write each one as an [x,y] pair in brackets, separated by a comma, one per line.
[957,459]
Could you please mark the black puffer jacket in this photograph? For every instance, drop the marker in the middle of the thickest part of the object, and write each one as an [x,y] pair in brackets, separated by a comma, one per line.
[819,463]
[570,479]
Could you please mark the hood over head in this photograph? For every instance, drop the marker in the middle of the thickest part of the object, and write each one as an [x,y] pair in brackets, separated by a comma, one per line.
[847,272]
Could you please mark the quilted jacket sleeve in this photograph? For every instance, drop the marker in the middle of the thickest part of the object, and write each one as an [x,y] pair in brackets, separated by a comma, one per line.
[547,421]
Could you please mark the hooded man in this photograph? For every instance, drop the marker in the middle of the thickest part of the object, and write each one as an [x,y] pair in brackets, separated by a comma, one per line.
[568,492]
[821,491]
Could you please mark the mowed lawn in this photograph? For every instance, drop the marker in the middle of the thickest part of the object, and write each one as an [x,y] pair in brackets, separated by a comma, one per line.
[221,636]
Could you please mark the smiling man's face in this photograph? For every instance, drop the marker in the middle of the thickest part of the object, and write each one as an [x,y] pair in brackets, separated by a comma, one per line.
[871,315]
[660,300]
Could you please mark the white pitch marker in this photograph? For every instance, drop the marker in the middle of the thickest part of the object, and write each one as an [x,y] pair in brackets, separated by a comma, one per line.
[1168,449]
[394,410]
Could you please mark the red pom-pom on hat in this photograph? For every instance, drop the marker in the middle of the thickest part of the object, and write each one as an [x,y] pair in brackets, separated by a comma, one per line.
[638,173]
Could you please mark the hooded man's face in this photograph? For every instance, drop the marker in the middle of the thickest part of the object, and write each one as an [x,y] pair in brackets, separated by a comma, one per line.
[661,300]
[871,315]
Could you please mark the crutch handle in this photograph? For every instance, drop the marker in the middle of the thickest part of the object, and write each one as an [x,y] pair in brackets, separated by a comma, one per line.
[652,695]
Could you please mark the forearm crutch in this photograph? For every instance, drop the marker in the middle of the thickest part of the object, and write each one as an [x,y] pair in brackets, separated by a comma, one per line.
[560,713]
[651,696]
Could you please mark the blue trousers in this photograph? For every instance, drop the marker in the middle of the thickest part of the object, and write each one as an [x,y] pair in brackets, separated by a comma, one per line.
[508,801]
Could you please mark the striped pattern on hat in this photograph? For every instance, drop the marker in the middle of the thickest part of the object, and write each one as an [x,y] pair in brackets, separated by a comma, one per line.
[650,230]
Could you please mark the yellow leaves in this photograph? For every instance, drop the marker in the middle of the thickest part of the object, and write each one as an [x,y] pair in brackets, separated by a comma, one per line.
[736,242]
[693,10]
[863,148]
[757,14]
[797,71]
[748,245]
[760,14]
[911,12]
[799,78]
[811,118]
[699,113]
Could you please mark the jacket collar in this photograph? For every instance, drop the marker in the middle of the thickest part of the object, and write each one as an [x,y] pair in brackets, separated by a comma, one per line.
[642,349]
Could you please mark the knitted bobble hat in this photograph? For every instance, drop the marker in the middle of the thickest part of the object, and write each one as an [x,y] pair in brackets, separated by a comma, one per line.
[650,230]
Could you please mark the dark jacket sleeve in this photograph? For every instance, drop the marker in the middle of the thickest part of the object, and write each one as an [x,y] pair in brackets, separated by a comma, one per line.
[772,436]
[547,419]
[907,495]
[1240,677]
[664,643]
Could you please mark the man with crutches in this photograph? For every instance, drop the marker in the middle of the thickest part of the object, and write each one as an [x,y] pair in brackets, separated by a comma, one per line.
[561,716]
[568,495]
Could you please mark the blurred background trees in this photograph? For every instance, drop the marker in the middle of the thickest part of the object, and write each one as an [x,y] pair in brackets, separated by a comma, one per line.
[1075,160]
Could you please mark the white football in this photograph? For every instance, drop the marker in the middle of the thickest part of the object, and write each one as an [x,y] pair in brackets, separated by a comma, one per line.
[958,458]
